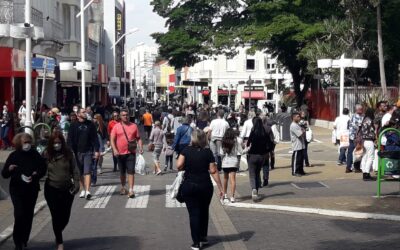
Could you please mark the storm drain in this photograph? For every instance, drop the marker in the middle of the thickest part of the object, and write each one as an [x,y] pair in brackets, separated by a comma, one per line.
[309,185]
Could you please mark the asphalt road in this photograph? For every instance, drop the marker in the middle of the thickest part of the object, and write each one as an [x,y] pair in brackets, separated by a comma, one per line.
[152,221]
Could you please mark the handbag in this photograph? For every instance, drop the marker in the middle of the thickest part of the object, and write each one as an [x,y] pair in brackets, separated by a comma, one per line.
[179,195]
[132,145]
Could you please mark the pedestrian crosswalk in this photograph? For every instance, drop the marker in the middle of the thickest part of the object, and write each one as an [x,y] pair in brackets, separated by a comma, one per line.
[105,195]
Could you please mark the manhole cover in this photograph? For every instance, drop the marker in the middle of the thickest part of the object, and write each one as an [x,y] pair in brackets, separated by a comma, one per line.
[308,185]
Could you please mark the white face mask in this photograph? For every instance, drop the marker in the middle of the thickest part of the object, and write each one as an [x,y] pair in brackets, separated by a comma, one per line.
[26,147]
[75,110]
[57,146]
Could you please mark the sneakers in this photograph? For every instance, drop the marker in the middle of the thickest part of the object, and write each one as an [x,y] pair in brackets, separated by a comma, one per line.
[88,195]
[99,171]
[233,200]
[122,191]
[348,171]
[82,195]
[254,194]
[225,199]
[131,195]
[158,172]
[195,246]
[265,183]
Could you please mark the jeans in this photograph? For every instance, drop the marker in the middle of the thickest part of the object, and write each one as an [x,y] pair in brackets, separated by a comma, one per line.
[94,171]
[342,154]
[168,161]
[4,136]
[368,157]
[350,150]
[24,205]
[265,168]
[255,163]
[197,197]
[60,203]
[215,147]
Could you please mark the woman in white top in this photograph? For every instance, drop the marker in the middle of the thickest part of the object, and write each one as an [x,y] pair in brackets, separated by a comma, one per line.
[231,152]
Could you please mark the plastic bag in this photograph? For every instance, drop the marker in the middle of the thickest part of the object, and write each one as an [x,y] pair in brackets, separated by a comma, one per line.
[334,136]
[344,139]
[375,162]
[140,166]
[309,135]
[176,184]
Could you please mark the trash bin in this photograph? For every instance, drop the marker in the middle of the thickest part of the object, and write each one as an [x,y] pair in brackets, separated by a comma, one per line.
[285,121]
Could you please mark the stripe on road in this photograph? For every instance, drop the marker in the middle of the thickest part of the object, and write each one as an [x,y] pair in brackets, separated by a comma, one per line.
[142,194]
[101,197]
[169,202]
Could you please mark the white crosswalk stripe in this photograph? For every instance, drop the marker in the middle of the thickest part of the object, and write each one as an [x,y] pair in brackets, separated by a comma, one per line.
[142,194]
[101,197]
[169,202]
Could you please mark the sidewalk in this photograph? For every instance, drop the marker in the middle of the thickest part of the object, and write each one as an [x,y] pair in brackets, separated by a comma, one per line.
[326,185]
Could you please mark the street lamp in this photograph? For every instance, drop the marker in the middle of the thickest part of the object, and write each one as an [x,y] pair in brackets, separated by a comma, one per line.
[129,32]
[342,63]
[28,32]
[82,15]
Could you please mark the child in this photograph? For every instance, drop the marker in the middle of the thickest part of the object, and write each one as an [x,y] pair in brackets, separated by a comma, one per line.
[231,151]
[169,152]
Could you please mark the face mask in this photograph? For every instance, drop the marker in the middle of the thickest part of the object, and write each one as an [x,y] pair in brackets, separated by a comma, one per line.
[26,147]
[75,110]
[57,146]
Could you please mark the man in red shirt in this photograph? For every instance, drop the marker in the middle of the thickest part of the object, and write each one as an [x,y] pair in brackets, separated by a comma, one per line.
[114,120]
[120,135]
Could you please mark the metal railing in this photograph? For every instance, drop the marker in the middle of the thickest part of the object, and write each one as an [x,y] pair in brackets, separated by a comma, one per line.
[19,15]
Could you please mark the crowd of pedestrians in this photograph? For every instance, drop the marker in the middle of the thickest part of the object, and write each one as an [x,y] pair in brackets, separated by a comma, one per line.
[205,140]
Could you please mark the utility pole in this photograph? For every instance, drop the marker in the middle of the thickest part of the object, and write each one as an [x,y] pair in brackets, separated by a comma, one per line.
[28,68]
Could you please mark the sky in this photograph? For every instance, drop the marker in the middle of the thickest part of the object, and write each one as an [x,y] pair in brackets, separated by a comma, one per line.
[139,14]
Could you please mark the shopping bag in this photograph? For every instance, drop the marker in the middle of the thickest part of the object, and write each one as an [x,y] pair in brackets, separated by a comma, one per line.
[309,135]
[334,136]
[344,139]
[375,162]
[140,166]
[176,184]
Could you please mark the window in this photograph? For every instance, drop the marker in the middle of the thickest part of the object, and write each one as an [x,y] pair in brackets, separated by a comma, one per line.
[250,64]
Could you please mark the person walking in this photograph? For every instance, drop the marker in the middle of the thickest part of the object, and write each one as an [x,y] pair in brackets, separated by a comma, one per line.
[125,141]
[217,130]
[5,125]
[259,143]
[270,156]
[103,138]
[62,183]
[341,125]
[297,135]
[306,126]
[147,123]
[368,135]
[83,140]
[114,120]
[169,153]
[157,139]
[231,152]
[354,125]
[25,167]
[198,162]
[182,137]
[22,113]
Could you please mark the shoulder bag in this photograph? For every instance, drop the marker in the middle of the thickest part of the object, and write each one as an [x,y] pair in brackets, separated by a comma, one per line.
[132,145]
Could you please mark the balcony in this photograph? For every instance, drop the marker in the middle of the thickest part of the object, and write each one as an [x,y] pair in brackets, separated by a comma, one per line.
[15,13]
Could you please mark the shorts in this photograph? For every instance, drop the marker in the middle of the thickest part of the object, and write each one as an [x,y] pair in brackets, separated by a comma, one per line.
[156,154]
[126,164]
[229,170]
[85,162]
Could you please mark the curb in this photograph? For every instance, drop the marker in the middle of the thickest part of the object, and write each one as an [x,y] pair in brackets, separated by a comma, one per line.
[327,212]
[9,230]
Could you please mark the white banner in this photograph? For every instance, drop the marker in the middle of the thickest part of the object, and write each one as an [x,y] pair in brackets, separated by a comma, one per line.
[114,88]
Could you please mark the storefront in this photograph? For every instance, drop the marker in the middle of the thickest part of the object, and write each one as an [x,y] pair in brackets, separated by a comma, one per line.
[12,78]
[225,95]
[253,94]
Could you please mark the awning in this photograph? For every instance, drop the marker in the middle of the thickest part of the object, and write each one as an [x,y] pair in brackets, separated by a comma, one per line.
[226,92]
[255,95]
